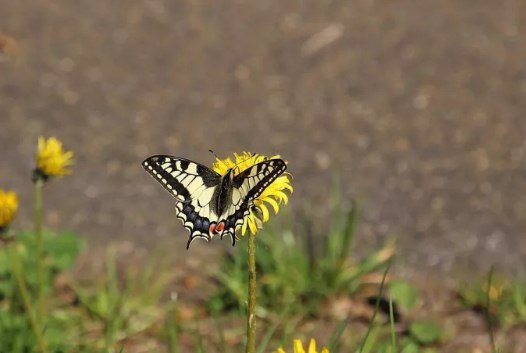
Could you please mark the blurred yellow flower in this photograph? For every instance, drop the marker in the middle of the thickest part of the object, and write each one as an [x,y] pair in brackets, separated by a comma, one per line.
[52,159]
[8,44]
[273,194]
[495,292]
[498,288]
[8,207]
[298,348]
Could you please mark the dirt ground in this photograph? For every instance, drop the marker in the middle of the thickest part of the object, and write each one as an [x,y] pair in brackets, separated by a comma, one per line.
[419,106]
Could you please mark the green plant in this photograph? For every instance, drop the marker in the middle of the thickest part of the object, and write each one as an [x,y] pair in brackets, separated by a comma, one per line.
[18,284]
[291,273]
[503,299]
[125,304]
[61,251]
[420,333]
[170,332]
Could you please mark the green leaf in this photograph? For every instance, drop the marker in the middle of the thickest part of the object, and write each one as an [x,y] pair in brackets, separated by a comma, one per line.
[404,294]
[519,298]
[425,331]
[410,347]
[63,249]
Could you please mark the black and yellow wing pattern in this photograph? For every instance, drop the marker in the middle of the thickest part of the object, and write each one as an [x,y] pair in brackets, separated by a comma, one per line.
[208,203]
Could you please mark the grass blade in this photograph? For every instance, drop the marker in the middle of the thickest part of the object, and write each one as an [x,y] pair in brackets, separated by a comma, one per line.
[488,313]
[348,232]
[394,345]
[376,306]
[333,342]
[268,335]
[172,333]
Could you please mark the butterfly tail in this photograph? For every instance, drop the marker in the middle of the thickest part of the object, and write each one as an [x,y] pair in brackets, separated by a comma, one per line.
[196,225]
[232,236]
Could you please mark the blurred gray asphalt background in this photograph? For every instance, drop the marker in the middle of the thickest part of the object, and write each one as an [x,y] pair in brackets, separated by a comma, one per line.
[418,104]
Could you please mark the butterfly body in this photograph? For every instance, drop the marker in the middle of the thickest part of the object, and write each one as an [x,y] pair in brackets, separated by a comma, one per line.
[223,194]
[208,203]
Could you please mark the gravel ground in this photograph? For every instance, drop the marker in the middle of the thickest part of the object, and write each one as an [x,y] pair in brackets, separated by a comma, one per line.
[419,105]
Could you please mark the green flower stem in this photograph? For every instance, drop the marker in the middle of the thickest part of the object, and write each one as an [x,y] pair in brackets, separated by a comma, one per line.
[15,264]
[40,250]
[251,314]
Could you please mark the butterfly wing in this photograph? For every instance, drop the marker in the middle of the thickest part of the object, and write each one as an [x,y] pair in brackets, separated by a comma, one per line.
[193,185]
[246,187]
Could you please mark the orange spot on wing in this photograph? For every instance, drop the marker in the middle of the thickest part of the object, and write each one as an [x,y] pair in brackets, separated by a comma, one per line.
[220,227]
[212,229]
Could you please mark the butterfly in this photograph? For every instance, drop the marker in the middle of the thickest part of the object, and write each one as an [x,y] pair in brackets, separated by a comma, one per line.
[209,203]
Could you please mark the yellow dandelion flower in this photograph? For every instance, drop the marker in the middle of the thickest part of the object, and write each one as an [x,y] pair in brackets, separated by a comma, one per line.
[52,159]
[298,348]
[273,195]
[8,207]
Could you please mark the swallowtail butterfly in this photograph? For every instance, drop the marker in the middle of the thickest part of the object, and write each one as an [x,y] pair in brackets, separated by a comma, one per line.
[209,204]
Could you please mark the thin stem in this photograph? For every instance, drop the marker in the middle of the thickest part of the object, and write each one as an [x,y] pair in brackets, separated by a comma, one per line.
[40,250]
[251,314]
[394,346]
[376,306]
[489,320]
[15,264]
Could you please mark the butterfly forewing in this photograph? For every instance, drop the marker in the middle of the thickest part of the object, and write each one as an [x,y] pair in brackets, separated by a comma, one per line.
[183,178]
[247,186]
[254,180]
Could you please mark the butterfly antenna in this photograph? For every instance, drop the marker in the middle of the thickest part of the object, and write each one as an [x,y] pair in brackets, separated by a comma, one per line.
[215,155]
[217,158]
